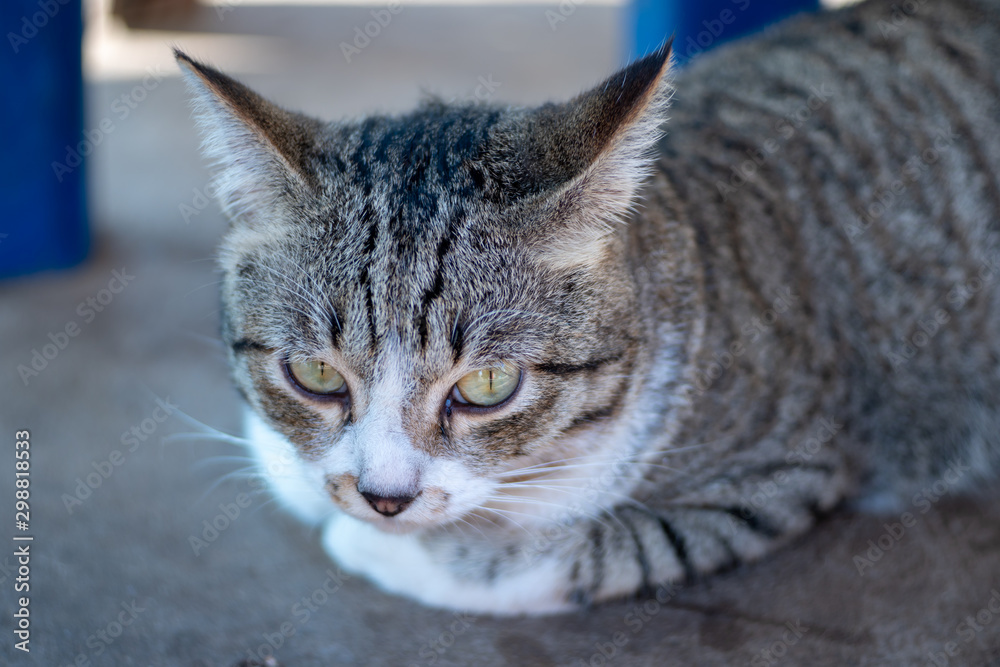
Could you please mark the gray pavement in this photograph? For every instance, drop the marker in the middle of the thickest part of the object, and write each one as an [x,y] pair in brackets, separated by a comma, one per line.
[139,556]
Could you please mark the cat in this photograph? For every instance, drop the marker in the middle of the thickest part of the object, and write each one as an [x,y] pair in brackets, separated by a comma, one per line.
[523,360]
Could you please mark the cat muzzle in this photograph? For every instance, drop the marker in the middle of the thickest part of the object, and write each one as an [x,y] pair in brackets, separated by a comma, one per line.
[388,505]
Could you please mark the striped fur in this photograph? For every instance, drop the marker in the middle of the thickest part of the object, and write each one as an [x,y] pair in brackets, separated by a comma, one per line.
[804,308]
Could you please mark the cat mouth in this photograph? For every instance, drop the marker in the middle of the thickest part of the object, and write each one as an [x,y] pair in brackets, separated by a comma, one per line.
[397,511]
[395,526]
[408,521]
[389,506]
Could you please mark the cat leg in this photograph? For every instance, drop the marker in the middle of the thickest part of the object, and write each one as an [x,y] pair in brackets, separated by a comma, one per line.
[559,569]
[737,517]
[628,550]
[443,570]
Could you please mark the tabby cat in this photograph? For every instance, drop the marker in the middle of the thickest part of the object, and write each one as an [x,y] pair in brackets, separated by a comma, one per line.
[518,360]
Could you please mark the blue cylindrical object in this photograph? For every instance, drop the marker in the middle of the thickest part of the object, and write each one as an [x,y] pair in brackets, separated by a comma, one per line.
[700,25]
[43,158]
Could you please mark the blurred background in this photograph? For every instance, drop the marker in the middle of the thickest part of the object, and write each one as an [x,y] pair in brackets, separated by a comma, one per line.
[90,115]
[150,547]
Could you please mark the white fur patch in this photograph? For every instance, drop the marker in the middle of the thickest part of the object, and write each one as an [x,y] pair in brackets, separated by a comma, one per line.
[385,459]
[400,564]
[298,485]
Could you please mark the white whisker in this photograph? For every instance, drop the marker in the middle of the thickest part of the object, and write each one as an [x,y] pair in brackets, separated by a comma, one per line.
[196,437]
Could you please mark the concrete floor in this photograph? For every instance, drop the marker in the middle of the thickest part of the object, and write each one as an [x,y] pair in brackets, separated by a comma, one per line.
[115,578]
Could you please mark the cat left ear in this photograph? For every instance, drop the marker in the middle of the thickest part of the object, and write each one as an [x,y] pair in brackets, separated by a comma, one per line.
[600,148]
[261,152]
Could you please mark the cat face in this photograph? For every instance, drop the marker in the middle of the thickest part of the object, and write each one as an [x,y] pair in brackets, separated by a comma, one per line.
[424,306]
[413,363]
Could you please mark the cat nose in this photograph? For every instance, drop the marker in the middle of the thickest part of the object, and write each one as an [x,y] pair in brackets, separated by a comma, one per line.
[388,505]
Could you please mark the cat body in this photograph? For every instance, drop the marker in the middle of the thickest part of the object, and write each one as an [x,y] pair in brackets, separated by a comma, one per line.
[686,346]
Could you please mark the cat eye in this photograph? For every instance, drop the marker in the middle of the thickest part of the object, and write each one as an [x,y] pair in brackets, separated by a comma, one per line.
[316,377]
[488,386]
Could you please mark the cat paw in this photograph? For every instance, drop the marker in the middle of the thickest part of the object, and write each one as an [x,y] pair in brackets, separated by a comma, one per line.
[396,563]
[403,565]
[362,549]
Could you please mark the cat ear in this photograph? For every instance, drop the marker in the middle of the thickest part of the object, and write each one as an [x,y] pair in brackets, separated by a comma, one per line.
[261,153]
[598,148]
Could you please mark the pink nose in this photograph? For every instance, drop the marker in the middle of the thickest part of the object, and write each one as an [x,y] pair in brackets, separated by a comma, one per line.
[388,505]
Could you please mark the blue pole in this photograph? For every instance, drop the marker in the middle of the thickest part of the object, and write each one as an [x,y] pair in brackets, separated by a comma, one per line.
[703,24]
[43,152]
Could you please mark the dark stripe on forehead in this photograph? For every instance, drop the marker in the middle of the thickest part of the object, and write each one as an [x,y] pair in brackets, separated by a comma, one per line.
[471,148]
[457,339]
[367,257]
[443,158]
[437,286]
[359,159]
[335,329]
[391,134]
[415,161]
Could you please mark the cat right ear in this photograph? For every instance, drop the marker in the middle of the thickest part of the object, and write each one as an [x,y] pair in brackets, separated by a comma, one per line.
[261,153]
[589,157]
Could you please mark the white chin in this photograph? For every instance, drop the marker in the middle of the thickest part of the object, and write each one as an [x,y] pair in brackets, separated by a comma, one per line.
[400,525]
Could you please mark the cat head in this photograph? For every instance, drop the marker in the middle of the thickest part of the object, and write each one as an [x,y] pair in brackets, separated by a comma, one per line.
[424,304]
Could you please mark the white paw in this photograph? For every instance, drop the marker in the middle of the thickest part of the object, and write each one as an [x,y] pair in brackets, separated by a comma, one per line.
[402,565]
[396,563]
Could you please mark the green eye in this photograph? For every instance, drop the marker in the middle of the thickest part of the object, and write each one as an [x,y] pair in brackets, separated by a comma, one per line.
[488,386]
[316,377]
